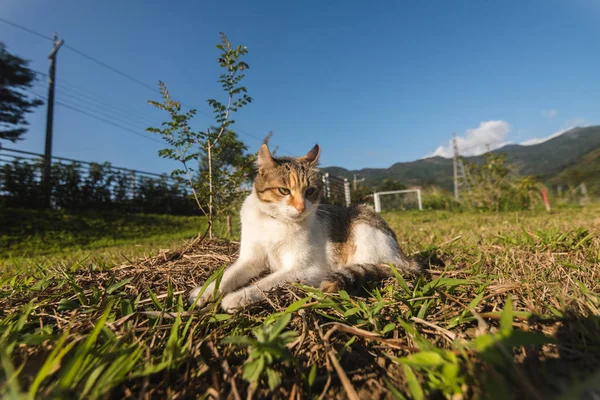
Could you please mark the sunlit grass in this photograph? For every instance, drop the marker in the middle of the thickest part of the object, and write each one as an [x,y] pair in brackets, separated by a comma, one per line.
[510,309]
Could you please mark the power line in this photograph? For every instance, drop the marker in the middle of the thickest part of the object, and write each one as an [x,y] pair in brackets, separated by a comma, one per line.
[98,111]
[104,111]
[21,27]
[116,71]
[127,76]
[121,112]
[64,92]
[79,91]
[107,121]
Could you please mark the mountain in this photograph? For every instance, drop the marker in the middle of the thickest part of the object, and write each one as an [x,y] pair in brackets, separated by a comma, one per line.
[561,160]
[586,169]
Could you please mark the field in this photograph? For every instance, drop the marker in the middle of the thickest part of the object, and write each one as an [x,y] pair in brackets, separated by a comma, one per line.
[29,237]
[509,308]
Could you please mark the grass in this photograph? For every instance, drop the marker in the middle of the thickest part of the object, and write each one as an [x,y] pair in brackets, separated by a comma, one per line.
[30,237]
[510,308]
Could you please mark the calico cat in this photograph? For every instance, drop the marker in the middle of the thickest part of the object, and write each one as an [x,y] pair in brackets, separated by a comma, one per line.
[286,232]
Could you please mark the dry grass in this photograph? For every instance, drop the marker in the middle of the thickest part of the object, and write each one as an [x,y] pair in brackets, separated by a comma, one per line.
[510,308]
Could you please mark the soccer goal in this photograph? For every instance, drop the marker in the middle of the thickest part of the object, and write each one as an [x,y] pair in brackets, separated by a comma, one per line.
[397,200]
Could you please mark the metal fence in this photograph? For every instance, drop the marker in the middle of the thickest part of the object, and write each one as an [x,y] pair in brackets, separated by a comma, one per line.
[79,185]
[336,190]
[82,185]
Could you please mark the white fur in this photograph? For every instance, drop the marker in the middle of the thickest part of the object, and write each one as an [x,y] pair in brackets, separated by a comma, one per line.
[373,246]
[292,247]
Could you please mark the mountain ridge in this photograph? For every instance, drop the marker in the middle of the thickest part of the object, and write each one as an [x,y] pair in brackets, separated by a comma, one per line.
[545,160]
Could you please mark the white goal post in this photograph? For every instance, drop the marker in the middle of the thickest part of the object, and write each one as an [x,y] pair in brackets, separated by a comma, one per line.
[377,197]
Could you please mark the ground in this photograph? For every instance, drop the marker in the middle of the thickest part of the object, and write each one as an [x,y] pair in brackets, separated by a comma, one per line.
[509,308]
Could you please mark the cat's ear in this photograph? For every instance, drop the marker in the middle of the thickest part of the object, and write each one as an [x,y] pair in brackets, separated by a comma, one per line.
[313,155]
[265,160]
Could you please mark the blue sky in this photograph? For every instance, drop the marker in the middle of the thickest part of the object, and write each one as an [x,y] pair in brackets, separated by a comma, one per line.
[372,82]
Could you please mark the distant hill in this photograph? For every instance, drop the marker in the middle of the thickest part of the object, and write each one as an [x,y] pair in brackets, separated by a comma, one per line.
[586,169]
[574,155]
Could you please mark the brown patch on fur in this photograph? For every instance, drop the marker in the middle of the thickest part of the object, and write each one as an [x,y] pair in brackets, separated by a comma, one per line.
[331,286]
[294,174]
[343,250]
[341,222]
[268,196]
[297,191]
[353,277]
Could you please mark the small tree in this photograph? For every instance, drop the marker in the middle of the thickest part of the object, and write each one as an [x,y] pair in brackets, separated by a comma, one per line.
[488,182]
[528,191]
[232,169]
[15,76]
[494,185]
[389,184]
[186,144]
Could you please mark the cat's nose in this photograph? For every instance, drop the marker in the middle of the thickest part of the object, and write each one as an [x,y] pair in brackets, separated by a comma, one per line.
[300,207]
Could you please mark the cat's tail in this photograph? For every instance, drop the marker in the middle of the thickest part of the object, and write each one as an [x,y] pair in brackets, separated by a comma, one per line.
[354,276]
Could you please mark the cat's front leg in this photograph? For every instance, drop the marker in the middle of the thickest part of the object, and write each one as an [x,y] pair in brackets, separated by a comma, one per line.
[249,265]
[241,298]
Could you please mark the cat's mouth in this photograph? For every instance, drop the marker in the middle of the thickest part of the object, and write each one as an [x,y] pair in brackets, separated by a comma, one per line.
[300,217]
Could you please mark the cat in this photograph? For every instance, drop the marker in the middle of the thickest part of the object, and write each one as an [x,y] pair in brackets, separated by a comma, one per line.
[286,232]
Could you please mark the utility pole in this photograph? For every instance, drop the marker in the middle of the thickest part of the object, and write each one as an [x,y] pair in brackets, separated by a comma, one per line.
[47,185]
[459,169]
[355,182]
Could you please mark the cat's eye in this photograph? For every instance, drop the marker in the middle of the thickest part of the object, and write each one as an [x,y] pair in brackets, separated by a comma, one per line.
[310,191]
[284,191]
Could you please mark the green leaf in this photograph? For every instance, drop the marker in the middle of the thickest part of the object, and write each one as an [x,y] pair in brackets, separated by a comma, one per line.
[423,310]
[74,366]
[253,369]
[450,371]
[413,384]
[556,312]
[66,304]
[35,339]
[274,379]
[344,295]
[483,342]
[393,389]
[506,318]
[217,275]
[155,301]
[238,340]
[52,362]
[352,311]
[220,317]
[112,288]
[312,375]
[519,338]
[280,324]
[423,359]
[297,305]
[388,328]
[446,282]
[400,279]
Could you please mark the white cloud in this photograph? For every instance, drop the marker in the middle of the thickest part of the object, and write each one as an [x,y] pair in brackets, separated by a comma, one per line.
[572,123]
[551,113]
[489,134]
[531,142]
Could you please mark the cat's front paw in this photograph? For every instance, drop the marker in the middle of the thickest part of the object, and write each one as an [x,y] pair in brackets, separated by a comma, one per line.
[206,296]
[234,301]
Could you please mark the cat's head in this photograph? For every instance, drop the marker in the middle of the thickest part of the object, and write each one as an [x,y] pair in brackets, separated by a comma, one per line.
[289,189]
